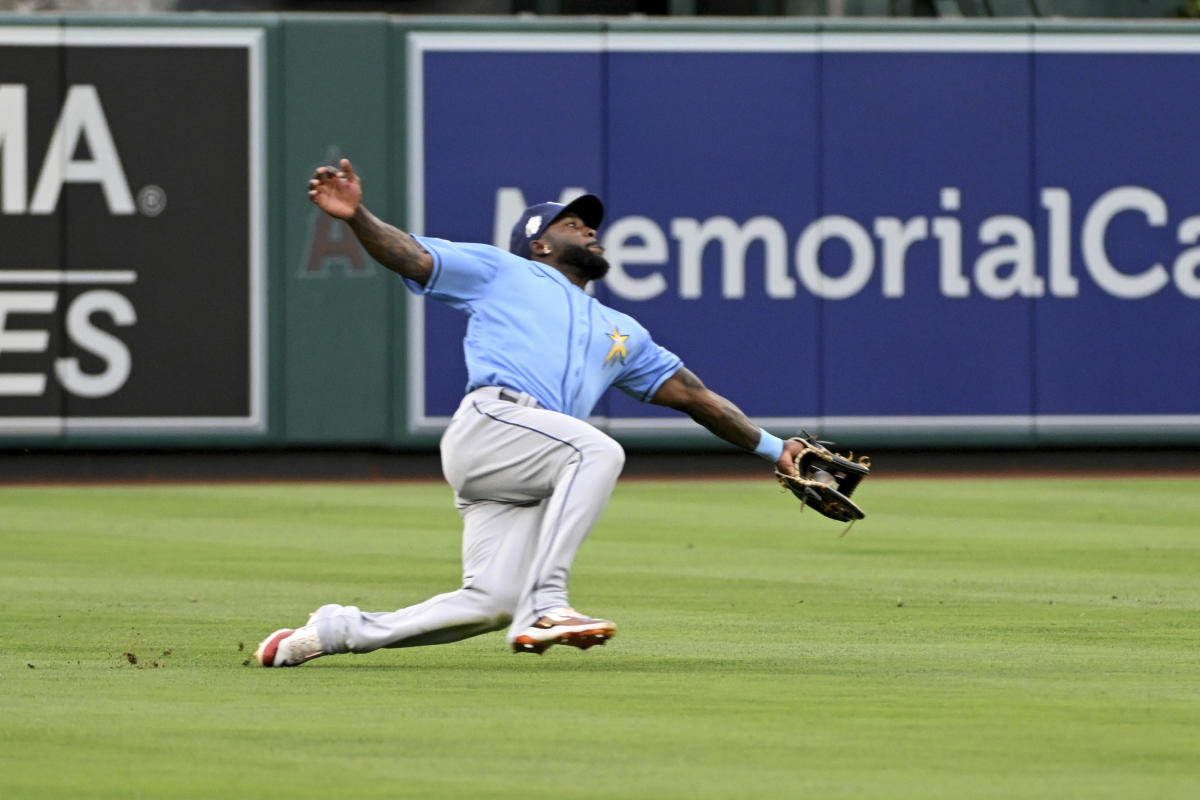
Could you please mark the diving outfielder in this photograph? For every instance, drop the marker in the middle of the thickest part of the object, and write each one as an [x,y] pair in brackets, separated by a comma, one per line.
[530,475]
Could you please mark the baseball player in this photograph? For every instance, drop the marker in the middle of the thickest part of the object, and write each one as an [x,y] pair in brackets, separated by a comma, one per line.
[530,475]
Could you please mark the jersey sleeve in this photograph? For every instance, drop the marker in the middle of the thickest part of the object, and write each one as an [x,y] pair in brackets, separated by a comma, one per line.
[648,367]
[461,272]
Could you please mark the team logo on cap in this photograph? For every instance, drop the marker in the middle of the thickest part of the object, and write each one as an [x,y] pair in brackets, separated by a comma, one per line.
[533,226]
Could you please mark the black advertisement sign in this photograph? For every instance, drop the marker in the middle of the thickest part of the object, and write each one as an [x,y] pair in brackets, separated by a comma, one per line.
[132,271]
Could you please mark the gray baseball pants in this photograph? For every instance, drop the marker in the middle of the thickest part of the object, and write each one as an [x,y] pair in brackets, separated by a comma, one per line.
[529,485]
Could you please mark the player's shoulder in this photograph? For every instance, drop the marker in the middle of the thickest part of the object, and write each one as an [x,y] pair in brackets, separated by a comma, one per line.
[607,309]
[484,260]
[613,316]
[476,249]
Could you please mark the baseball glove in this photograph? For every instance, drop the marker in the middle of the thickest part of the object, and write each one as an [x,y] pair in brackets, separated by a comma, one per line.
[825,480]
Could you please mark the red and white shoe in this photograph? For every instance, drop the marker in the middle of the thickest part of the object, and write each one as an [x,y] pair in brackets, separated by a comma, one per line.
[563,626]
[289,648]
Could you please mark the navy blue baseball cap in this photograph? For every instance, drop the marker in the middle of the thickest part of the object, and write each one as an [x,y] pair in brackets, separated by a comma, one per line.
[537,218]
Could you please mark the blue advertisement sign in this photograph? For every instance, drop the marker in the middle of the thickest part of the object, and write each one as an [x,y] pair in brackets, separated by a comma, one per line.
[852,232]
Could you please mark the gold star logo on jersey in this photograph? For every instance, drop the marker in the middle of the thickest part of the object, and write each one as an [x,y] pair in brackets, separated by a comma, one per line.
[617,350]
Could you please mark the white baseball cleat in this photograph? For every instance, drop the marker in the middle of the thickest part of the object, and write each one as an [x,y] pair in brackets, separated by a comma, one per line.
[289,648]
[563,626]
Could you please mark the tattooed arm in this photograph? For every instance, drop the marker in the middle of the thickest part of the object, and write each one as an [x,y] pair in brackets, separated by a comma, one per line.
[685,392]
[338,192]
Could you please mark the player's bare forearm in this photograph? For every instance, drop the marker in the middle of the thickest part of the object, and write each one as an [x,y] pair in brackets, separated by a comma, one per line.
[685,392]
[338,192]
[391,247]
[727,421]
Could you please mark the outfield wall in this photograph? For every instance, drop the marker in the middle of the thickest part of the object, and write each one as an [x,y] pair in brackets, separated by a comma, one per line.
[894,233]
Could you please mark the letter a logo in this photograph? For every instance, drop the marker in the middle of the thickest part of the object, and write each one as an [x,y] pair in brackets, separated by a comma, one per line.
[330,242]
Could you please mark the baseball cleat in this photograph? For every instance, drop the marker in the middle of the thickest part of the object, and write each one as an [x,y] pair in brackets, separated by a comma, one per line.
[289,648]
[563,626]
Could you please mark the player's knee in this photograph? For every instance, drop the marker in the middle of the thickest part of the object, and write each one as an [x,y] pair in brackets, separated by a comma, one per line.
[491,609]
[607,452]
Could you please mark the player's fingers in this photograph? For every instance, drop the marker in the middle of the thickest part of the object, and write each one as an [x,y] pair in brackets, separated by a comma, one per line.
[347,168]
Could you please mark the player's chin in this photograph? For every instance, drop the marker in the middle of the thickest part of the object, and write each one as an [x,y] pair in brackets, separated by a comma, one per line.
[589,262]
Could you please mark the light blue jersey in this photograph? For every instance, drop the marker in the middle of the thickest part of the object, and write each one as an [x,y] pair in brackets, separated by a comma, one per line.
[532,330]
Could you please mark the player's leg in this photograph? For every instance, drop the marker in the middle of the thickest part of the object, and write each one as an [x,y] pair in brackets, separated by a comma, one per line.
[498,541]
[583,476]
[530,485]
[534,453]
[583,482]
[503,459]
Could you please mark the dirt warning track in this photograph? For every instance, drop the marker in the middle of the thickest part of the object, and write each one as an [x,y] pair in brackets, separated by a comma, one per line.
[124,467]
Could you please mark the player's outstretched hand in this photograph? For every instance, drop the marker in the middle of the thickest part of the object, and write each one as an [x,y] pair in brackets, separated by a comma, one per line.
[787,459]
[336,190]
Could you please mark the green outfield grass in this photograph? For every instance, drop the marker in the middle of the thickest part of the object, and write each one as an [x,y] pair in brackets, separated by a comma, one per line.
[970,639]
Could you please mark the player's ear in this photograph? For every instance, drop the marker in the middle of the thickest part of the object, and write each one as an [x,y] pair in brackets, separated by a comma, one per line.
[539,248]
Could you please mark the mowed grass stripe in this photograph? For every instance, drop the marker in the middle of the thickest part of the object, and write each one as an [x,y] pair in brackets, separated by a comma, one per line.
[971,638]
